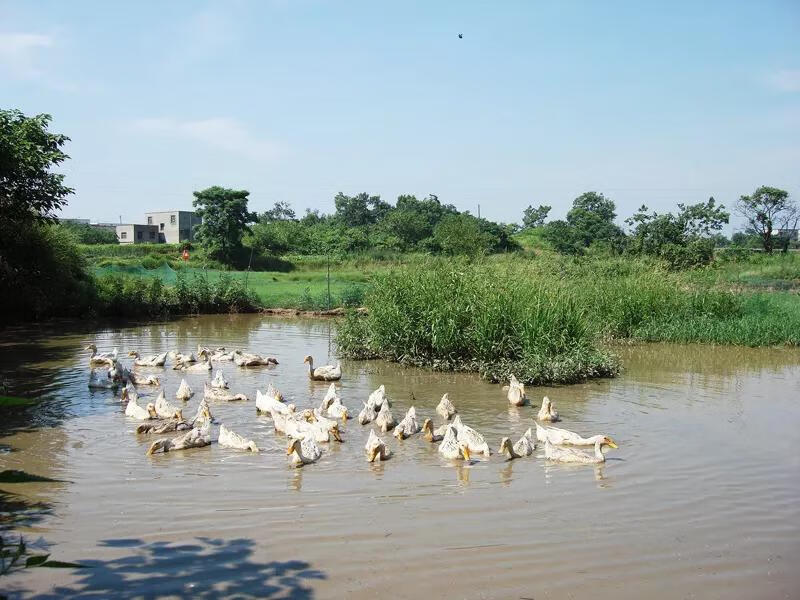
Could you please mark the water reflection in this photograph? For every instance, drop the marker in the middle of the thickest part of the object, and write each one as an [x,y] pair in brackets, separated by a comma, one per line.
[507,473]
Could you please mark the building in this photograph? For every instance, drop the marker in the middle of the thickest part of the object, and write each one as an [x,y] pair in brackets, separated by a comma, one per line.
[174,226]
[137,234]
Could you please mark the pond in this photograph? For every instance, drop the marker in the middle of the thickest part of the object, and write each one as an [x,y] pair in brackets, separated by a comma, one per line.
[700,500]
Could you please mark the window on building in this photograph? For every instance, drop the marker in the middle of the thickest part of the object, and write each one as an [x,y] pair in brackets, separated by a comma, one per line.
[162,227]
[172,219]
[123,235]
[152,235]
[149,220]
[138,235]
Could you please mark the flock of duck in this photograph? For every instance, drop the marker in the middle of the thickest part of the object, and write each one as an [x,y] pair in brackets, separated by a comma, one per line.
[306,429]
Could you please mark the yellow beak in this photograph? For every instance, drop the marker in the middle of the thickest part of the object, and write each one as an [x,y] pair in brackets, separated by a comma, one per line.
[613,444]
[465,452]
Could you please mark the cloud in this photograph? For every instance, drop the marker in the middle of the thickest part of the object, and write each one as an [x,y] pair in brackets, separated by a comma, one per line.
[221,133]
[785,80]
[18,52]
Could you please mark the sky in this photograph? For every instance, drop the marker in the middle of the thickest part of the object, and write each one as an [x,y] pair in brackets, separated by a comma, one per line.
[648,102]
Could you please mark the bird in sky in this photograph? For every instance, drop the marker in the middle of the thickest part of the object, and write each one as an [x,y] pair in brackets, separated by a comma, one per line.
[460,36]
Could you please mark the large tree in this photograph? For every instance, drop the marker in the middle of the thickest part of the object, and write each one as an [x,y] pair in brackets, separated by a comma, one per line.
[535,217]
[589,221]
[360,210]
[225,220]
[766,211]
[29,190]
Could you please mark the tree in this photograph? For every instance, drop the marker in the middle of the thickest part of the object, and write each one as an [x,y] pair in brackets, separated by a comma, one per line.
[225,218]
[767,210]
[29,191]
[282,211]
[535,217]
[88,234]
[360,210]
[592,216]
[461,234]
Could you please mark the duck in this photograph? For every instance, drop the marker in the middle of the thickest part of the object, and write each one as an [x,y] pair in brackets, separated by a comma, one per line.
[451,447]
[547,412]
[203,415]
[135,411]
[282,421]
[385,420]
[516,392]
[101,381]
[303,452]
[326,373]
[269,402]
[202,366]
[337,410]
[473,439]
[243,359]
[184,391]
[139,379]
[222,395]
[433,435]
[378,398]
[195,438]
[368,414]
[445,408]
[98,359]
[181,358]
[523,447]
[408,426]
[119,373]
[564,437]
[163,426]
[300,429]
[165,410]
[571,455]
[329,396]
[219,382]
[155,360]
[230,439]
[376,448]
[128,392]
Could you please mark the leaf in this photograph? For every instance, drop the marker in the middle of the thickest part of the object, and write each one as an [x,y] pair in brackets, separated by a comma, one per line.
[58,564]
[35,561]
[12,401]
[15,476]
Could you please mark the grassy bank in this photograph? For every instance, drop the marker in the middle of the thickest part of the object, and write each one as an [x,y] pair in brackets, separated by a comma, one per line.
[546,318]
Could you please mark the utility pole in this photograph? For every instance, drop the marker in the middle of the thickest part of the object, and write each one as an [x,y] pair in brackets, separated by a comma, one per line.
[479,211]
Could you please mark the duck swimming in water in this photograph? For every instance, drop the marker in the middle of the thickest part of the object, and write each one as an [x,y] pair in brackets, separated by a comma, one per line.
[473,439]
[303,452]
[135,411]
[165,410]
[102,358]
[376,448]
[196,438]
[523,447]
[384,419]
[244,359]
[184,391]
[219,382]
[156,360]
[547,412]
[326,373]
[229,439]
[408,426]
[451,447]
[222,395]
[564,437]
[571,455]
[445,408]
[516,393]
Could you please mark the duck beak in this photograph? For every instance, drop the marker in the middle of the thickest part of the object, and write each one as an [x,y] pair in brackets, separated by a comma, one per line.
[612,443]
[344,417]
[336,435]
[465,452]
[290,449]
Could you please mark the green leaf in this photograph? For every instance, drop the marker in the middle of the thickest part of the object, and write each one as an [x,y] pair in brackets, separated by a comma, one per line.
[35,561]
[12,401]
[57,564]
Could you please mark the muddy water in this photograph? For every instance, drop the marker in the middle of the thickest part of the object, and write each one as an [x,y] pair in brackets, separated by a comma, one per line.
[699,501]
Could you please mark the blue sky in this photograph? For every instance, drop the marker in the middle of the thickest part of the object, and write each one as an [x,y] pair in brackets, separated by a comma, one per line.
[648,102]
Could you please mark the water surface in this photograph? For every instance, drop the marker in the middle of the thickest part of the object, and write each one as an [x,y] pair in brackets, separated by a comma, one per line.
[699,501]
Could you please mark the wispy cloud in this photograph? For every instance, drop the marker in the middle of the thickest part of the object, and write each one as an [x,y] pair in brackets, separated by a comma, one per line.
[785,80]
[221,133]
[19,53]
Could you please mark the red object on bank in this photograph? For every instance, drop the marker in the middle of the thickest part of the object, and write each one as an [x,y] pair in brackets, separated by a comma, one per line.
[185,255]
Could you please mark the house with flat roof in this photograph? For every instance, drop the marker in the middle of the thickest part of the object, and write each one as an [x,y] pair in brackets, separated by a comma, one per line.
[174,226]
[133,233]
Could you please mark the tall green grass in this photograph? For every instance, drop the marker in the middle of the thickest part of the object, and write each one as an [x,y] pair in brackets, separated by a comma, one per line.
[473,317]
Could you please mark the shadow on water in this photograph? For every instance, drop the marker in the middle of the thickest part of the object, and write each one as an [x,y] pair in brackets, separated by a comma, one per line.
[205,568]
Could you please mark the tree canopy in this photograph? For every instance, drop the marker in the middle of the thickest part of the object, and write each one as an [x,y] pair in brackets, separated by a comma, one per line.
[225,221]
[766,210]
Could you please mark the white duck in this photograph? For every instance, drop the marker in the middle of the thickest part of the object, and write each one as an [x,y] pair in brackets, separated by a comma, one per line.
[300,429]
[451,447]
[564,437]
[376,448]
[219,382]
[203,414]
[281,421]
[140,379]
[128,392]
[303,452]
[165,410]
[98,359]
[203,366]
[271,401]
[368,414]
[523,447]
[135,411]
[230,439]
[196,438]
[473,439]
[337,410]
[385,420]
[571,455]
[329,396]
[156,360]
[445,408]
[547,412]
[516,392]
[221,395]
[244,359]
[326,373]
[408,426]
[181,358]
[431,434]
[378,398]
[184,391]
